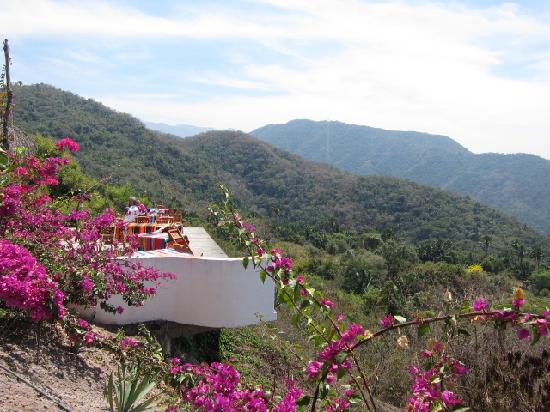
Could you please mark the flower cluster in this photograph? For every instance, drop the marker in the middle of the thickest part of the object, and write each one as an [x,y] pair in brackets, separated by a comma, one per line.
[25,285]
[442,372]
[74,265]
[67,143]
[218,388]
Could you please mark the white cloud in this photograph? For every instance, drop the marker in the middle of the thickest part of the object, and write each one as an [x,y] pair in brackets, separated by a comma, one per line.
[425,66]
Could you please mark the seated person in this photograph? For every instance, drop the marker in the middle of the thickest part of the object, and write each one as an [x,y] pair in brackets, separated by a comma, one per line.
[132,210]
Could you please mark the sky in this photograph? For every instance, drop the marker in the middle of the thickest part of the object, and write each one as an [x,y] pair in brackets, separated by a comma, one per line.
[477,70]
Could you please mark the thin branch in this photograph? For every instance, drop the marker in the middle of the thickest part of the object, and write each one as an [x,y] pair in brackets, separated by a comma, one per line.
[9,98]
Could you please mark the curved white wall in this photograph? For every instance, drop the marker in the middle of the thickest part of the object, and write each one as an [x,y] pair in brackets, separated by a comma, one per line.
[211,292]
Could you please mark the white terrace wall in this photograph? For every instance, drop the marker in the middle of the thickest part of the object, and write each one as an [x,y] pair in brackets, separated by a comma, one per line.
[210,292]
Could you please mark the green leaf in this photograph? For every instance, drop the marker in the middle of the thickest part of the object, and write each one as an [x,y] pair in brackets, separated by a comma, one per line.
[465,307]
[245,262]
[303,401]
[536,336]
[423,329]
[263,275]
[324,390]
[355,399]
[341,357]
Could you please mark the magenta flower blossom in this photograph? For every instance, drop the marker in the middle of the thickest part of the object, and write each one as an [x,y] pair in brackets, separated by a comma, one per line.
[518,303]
[25,285]
[386,321]
[523,334]
[21,171]
[300,279]
[87,285]
[450,399]
[127,342]
[542,326]
[313,369]
[327,303]
[249,227]
[89,338]
[480,304]
[67,143]
[83,324]
[459,368]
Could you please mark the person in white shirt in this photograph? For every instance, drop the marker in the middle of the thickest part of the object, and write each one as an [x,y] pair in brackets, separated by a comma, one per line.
[132,210]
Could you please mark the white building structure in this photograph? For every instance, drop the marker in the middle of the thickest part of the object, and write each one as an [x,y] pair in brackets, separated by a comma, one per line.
[210,290]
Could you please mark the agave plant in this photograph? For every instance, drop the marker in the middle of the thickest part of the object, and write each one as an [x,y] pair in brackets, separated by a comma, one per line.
[129,391]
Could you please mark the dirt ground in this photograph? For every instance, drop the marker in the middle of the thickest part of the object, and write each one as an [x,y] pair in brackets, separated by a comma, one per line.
[75,379]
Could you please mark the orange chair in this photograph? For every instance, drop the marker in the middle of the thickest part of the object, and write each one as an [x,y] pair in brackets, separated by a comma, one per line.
[178,242]
[142,219]
[164,219]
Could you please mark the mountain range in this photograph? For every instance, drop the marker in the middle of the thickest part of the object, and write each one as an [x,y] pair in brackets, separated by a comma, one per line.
[282,188]
[180,130]
[518,184]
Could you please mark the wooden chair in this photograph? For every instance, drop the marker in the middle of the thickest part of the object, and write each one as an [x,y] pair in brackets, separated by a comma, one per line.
[142,219]
[108,235]
[164,219]
[178,242]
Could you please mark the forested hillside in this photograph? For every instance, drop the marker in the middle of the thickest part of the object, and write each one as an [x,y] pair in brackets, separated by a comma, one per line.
[306,199]
[516,184]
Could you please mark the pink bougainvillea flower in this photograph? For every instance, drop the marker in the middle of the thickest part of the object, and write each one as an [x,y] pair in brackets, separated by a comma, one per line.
[327,303]
[127,342]
[330,378]
[89,338]
[67,143]
[459,368]
[386,321]
[518,303]
[300,279]
[21,171]
[83,324]
[450,399]
[87,285]
[542,326]
[313,369]
[480,304]
[522,333]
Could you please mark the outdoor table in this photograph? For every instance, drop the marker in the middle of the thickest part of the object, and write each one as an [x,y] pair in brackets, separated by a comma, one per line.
[138,228]
[153,241]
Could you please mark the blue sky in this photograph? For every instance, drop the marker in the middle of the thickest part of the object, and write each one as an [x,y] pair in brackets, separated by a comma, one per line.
[476,70]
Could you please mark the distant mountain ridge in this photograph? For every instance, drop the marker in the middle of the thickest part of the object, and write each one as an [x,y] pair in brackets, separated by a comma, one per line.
[180,130]
[518,184]
[274,184]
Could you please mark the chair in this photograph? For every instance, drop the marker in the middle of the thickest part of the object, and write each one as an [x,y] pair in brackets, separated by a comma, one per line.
[108,235]
[164,219]
[178,242]
[142,219]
